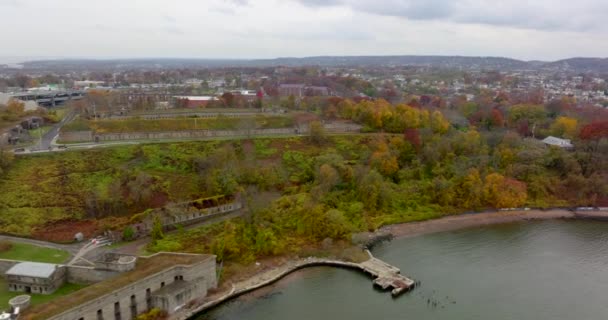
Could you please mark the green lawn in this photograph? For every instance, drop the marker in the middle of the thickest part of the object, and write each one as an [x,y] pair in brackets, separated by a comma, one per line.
[28,252]
[37,299]
[37,133]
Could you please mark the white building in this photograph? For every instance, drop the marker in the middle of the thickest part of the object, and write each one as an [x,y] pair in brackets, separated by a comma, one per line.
[557,142]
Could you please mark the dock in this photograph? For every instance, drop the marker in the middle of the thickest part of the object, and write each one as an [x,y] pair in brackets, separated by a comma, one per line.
[387,276]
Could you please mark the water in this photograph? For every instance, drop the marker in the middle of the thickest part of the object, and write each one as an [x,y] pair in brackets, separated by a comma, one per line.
[536,270]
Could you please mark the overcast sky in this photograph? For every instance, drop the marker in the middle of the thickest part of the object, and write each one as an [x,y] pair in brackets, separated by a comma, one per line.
[524,29]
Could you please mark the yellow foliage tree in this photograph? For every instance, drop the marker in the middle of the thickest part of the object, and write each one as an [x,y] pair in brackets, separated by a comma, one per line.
[15,106]
[564,127]
[469,191]
[502,192]
[438,123]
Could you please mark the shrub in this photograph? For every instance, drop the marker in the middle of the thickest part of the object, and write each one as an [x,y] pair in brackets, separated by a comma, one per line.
[154,314]
[5,246]
[128,233]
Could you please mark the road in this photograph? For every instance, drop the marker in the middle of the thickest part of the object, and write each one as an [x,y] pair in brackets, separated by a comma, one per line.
[73,249]
[49,138]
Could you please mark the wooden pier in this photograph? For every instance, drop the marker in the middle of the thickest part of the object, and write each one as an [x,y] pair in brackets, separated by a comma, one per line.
[387,276]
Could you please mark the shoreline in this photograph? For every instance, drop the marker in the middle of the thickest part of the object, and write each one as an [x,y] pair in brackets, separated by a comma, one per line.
[466,220]
[399,231]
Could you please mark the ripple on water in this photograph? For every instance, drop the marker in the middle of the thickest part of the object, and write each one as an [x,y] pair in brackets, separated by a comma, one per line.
[535,270]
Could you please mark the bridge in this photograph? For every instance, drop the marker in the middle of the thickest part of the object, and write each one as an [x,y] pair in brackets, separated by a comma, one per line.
[50,98]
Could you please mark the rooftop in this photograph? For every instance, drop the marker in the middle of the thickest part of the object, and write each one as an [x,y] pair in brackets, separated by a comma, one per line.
[32,269]
[564,143]
[196,98]
[146,266]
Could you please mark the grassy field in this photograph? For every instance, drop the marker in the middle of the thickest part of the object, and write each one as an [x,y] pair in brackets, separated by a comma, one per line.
[190,110]
[37,299]
[28,252]
[181,124]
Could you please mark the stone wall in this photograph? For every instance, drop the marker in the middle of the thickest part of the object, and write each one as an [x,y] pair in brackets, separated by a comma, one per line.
[198,216]
[116,262]
[76,136]
[4,138]
[334,127]
[136,298]
[88,275]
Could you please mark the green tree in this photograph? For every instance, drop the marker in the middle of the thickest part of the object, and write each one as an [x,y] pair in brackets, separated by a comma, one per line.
[317,132]
[157,232]
[128,233]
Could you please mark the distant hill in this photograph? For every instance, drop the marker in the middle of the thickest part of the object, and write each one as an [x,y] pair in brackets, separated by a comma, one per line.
[452,62]
[580,64]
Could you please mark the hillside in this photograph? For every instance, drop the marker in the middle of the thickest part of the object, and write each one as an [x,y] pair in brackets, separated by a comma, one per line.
[580,65]
[455,62]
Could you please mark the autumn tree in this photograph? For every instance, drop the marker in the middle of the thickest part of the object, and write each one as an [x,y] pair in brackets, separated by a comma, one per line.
[15,106]
[157,232]
[595,131]
[503,192]
[438,123]
[564,127]
[6,159]
[469,190]
[317,132]
[528,116]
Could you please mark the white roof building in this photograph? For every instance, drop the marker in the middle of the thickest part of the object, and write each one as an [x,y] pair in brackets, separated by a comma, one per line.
[32,269]
[557,142]
[196,98]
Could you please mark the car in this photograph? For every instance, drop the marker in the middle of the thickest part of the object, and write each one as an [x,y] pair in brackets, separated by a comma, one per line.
[19,150]
[62,147]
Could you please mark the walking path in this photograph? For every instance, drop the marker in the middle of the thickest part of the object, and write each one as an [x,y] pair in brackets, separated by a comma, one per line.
[73,249]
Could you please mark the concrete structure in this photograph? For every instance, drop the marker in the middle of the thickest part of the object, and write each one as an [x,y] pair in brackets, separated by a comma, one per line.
[34,100]
[557,142]
[385,276]
[183,214]
[296,90]
[35,277]
[21,302]
[166,280]
[32,123]
[116,262]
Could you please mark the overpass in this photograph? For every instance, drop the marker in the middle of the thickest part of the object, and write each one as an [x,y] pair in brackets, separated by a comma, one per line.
[50,98]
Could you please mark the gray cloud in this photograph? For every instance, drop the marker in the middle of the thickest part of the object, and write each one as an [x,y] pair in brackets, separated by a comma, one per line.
[546,15]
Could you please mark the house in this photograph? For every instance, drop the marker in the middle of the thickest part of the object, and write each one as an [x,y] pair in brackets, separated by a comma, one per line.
[557,142]
[193,101]
[301,90]
[296,90]
[316,91]
[32,123]
[35,277]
